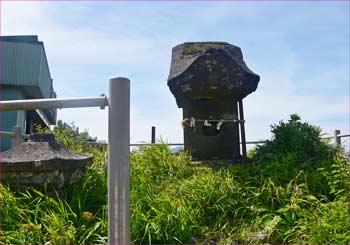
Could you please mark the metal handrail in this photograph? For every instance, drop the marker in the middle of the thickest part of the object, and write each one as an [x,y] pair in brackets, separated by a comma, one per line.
[27,136]
[11,105]
[12,135]
[7,134]
[118,103]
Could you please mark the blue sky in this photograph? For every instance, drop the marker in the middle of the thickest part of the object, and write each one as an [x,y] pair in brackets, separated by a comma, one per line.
[299,49]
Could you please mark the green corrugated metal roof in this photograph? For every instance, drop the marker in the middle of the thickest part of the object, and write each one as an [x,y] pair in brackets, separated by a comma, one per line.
[25,66]
[21,38]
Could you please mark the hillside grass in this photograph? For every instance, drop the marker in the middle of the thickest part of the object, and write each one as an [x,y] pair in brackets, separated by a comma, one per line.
[294,189]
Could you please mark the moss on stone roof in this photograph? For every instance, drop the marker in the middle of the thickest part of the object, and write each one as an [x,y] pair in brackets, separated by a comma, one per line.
[197,47]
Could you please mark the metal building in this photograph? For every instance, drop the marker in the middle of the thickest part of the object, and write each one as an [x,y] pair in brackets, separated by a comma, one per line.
[24,74]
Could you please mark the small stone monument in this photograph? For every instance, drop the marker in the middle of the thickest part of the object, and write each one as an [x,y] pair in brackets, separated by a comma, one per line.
[42,160]
[209,81]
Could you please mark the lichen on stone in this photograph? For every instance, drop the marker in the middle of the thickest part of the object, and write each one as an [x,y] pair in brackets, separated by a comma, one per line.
[193,48]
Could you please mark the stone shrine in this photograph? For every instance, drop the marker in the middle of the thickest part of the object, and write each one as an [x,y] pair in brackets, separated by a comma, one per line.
[209,81]
[42,160]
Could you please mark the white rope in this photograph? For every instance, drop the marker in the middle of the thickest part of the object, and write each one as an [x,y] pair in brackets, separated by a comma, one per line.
[206,123]
[218,125]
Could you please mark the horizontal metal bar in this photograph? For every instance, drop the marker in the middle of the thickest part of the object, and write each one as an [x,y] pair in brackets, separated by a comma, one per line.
[170,144]
[142,144]
[219,120]
[175,144]
[7,134]
[26,136]
[338,136]
[11,105]
[255,142]
[11,135]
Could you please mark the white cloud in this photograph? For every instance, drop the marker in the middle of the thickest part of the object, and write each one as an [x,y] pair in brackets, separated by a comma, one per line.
[84,55]
[22,18]
[95,121]
[82,44]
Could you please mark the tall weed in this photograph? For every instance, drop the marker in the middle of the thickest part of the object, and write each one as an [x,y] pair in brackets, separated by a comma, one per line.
[295,189]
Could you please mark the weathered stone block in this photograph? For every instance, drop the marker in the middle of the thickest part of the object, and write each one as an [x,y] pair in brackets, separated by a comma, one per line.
[207,80]
[42,160]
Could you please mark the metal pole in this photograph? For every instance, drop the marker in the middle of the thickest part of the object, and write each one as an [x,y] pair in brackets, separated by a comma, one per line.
[241,118]
[11,105]
[6,134]
[153,137]
[119,161]
[17,136]
[337,140]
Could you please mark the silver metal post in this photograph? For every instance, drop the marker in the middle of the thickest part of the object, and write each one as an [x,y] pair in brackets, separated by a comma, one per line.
[119,161]
[337,140]
[17,136]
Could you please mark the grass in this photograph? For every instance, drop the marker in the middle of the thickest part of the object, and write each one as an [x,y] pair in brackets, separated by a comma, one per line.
[291,195]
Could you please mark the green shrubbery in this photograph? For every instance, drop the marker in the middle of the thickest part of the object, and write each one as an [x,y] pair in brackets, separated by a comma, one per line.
[294,138]
[295,189]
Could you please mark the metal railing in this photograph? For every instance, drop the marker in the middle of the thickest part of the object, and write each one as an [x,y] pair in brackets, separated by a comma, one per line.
[118,103]
[16,134]
[337,136]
